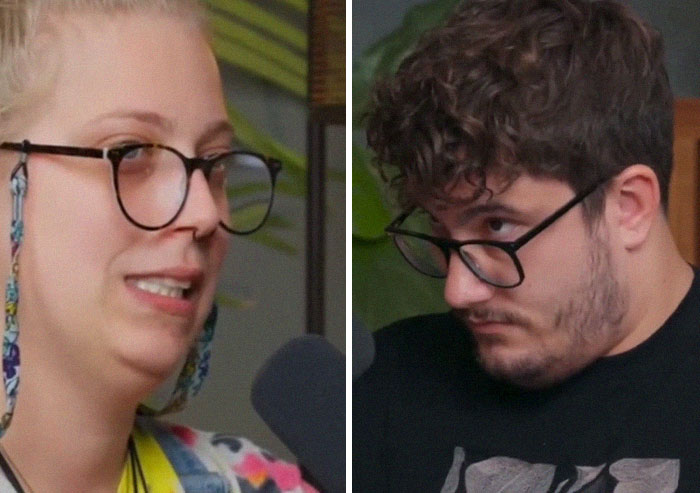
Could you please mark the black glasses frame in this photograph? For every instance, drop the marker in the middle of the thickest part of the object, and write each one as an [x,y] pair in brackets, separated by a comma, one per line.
[115,156]
[509,247]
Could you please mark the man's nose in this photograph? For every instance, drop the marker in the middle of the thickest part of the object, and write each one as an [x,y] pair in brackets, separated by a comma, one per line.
[462,288]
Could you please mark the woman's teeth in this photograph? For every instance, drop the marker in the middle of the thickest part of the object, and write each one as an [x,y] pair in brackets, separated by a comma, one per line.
[164,286]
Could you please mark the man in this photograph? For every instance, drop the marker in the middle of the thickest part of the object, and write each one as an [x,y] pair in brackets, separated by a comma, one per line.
[530,142]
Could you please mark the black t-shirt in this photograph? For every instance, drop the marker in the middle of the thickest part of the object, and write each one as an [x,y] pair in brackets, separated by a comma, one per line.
[426,418]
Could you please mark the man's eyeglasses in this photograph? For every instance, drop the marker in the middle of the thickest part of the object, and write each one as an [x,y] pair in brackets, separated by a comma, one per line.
[493,262]
[152,181]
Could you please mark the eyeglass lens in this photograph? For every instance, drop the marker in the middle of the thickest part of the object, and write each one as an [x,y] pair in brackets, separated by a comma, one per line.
[152,187]
[490,263]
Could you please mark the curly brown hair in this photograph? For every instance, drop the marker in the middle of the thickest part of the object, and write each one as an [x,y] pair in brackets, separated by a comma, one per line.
[569,89]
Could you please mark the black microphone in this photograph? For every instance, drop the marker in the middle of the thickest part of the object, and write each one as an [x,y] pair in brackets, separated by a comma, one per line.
[362,348]
[300,393]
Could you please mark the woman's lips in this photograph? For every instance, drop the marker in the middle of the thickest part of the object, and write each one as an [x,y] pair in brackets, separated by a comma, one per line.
[173,305]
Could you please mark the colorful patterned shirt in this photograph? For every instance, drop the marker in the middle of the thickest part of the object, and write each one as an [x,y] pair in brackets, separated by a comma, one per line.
[178,459]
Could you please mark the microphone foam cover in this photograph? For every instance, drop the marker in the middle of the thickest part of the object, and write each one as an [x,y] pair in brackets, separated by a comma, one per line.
[300,394]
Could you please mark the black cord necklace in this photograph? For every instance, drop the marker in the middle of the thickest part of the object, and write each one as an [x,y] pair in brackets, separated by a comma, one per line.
[9,473]
[8,468]
[136,467]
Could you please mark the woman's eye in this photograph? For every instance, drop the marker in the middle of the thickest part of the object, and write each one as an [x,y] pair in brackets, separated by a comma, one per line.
[134,153]
[138,161]
[214,153]
[130,148]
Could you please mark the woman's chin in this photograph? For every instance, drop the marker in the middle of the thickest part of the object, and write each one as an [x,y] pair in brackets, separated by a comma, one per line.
[150,364]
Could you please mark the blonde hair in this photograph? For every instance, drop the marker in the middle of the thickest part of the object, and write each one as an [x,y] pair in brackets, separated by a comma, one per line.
[24,71]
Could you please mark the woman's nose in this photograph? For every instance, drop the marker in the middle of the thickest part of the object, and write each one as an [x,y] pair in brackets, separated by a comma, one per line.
[200,212]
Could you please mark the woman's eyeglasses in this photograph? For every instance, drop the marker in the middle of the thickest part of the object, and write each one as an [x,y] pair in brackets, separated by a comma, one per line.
[152,181]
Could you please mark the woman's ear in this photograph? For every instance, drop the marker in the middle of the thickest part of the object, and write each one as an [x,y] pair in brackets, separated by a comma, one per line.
[633,202]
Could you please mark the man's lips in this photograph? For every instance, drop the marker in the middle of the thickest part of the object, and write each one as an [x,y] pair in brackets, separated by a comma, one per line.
[488,326]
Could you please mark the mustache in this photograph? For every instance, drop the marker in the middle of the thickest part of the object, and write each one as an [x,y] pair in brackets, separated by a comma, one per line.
[478,315]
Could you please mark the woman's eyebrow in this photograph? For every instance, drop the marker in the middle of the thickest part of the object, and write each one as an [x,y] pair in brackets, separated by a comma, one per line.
[215,130]
[211,131]
[148,117]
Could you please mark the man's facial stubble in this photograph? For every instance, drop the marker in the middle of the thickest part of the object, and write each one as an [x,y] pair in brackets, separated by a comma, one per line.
[582,327]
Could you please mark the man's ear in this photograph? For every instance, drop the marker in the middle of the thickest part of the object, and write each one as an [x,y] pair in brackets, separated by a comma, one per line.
[633,202]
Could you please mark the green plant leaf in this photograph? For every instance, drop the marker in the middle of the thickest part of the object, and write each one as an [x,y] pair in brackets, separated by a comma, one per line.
[293,178]
[369,214]
[300,5]
[256,140]
[252,62]
[264,20]
[263,47]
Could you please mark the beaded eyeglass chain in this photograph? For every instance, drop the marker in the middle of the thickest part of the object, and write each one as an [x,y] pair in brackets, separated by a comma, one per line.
[10,346]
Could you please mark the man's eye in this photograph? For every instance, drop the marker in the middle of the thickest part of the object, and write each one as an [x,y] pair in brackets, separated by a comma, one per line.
[496,224]
[499,226]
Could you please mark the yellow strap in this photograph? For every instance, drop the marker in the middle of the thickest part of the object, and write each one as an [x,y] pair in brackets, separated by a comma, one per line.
[159,473]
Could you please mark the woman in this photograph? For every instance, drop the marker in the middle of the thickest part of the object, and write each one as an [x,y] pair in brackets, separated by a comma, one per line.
[118,151]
